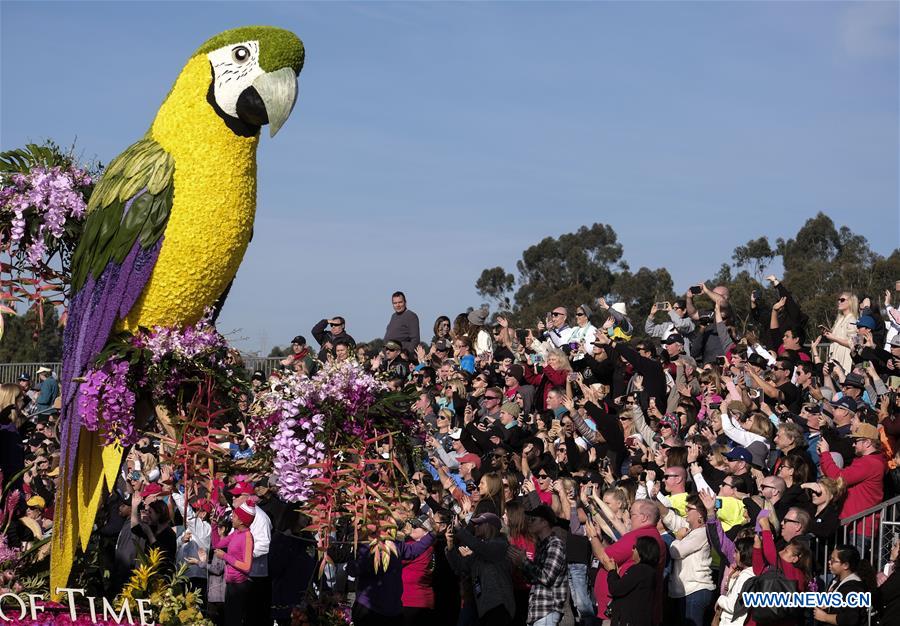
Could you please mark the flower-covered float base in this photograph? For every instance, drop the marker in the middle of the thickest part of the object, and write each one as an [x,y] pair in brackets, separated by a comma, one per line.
[335,442]
[183,382]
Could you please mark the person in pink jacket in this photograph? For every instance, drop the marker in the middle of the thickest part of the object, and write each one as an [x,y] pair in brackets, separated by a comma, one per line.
[236,550]
[863,477]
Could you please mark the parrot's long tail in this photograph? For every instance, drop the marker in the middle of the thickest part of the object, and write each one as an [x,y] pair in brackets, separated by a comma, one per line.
[80,489]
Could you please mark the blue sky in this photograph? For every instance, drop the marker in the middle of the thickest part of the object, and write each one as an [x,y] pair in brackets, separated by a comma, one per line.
[432,140]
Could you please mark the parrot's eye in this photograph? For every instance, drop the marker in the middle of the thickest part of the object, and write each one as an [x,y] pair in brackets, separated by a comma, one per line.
[240,54]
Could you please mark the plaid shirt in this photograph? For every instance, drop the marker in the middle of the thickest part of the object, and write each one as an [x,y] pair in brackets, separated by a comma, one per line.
[549,578]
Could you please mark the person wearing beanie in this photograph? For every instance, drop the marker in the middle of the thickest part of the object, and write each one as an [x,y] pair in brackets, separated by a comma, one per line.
[512,434]
[237,551]
[514,384]
[583,333]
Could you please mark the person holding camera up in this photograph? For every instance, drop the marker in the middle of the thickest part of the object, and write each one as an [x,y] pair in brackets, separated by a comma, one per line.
[482,556]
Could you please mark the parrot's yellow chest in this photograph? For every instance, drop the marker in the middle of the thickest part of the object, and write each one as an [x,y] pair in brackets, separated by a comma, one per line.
[214,204]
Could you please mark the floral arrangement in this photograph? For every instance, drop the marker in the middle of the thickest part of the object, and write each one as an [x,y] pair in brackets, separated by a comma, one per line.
[43,199]
[331,440]
[173,601]
[169,364]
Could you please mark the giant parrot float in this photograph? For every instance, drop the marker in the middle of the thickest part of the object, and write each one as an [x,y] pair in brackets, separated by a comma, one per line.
[167,227]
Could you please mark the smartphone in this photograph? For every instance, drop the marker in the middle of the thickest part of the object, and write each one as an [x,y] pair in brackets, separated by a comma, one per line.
[696,290]
[756,294]
[573,376]
[718,503]
[662,306]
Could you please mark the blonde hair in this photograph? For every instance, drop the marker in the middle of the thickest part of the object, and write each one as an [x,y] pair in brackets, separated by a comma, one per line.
[9,395]
[837,489]
[760,425]
[854,304]
[564,363]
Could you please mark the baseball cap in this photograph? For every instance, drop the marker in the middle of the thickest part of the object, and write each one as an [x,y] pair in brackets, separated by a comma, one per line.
[299,340]
[895,342]
[739,453]
[865,321]
[673,338]
[470,458]
[510,407]
[456,433]
[441,345]
[846,402]
[153,489]
[487,518]
[24,376]
[259,375]
[36,502]
[391,345]
[865,431]
[242,488]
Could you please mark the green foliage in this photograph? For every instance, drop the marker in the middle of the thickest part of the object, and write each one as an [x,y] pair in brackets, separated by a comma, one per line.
[49,154]
[27,340]
[278,351]
[573,269]
[640,290]
[495,283]
[757,254]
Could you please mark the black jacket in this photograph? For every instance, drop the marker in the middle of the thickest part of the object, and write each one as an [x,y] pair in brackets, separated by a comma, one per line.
[632,596]
[850,616]
[651,370]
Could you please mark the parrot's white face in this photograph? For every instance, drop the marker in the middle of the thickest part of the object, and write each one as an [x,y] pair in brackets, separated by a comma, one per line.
[235,67]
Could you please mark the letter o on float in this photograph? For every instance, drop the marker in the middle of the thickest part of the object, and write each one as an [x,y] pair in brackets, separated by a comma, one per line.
[21,605]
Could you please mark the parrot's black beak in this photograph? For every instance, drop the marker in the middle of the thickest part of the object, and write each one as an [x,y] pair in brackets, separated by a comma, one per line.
[269,100]
[251,108]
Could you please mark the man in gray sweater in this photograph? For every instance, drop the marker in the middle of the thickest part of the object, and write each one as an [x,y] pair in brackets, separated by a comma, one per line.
[403,326]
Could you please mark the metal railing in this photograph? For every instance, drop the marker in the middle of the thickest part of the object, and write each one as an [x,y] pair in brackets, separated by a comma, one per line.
[871,531]
[10,372]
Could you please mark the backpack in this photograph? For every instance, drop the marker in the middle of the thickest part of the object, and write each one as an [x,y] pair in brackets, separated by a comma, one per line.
[772,580]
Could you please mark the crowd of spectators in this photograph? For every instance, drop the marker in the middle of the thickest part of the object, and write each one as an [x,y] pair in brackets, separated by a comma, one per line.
[595,468]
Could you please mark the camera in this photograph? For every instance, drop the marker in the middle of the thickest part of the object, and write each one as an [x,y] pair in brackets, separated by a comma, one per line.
[696,290]
[706,319]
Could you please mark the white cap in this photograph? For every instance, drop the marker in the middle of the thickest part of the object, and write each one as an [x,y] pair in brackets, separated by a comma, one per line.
[619,307]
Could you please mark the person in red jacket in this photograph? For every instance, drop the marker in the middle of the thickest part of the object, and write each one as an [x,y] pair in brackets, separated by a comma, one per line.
[553,375]
[864,478]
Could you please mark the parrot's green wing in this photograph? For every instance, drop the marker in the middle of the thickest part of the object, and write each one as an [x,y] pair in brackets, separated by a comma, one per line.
[131,202]
[113,262]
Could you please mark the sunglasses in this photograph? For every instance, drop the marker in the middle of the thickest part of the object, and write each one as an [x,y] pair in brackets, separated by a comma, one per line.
[624,419]
[542,476]
[842,299]
[670,475]
[556,314]
[491,398]
[579,314]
